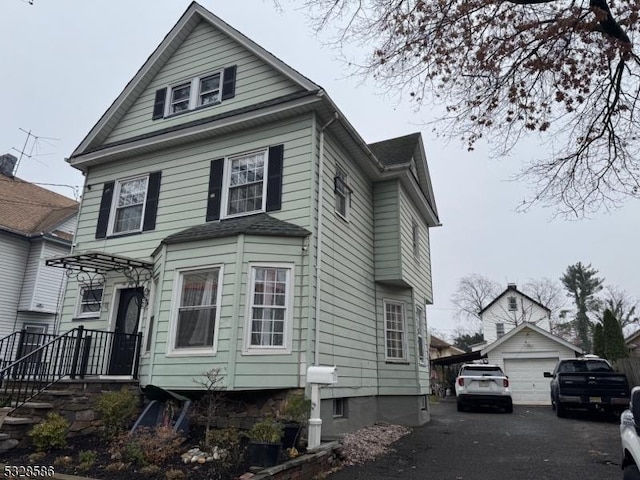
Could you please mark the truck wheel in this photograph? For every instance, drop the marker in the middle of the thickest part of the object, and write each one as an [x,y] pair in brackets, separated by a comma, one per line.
[560,410]
[631,473]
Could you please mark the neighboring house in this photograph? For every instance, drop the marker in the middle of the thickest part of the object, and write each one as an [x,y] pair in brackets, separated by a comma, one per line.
[525,353]
[236,219]
[510,309]
[441,374]
[35,223]
[633,344]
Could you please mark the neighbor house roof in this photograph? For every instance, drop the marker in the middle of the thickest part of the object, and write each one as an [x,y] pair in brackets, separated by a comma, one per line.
[535,328]
[260,224]
[29,210]
[512,288]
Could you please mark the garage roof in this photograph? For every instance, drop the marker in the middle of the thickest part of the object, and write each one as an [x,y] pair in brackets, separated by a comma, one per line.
[535,328]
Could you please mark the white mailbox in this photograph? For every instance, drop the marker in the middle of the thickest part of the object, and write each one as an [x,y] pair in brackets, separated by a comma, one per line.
[323,375]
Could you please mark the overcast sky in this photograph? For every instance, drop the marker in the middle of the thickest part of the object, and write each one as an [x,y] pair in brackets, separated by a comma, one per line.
[63,62]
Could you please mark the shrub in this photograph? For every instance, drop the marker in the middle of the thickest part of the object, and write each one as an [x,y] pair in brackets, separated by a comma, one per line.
[267,430]
[226,448]
[174,474]
[149,446]
[87,459]
[296,408]
[51,433]
[116,410]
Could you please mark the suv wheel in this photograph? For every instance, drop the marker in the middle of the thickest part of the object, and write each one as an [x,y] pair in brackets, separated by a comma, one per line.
[509,408]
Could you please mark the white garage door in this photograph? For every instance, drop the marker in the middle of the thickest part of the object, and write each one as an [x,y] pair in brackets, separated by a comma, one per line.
[528,385]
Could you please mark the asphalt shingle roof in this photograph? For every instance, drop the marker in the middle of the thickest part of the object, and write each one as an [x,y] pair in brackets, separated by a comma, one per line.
[29,209]
[397,150]
[259,224]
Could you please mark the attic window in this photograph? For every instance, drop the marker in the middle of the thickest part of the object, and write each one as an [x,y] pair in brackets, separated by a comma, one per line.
[204,90]
[513,304]
[499,329]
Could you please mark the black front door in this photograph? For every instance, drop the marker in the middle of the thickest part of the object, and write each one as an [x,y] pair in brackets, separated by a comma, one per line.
[124,344]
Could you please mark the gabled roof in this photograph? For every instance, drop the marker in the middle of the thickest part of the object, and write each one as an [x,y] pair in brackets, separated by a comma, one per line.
[194,14]
[399,152]
[512,288]
[633,337]
[535,328]
[29,210]
[259,224]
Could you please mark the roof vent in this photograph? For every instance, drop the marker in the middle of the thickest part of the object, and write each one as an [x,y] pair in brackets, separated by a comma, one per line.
[7,164]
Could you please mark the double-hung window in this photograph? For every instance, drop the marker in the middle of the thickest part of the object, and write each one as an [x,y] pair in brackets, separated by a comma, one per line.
[198,310]
[421,327]
[89,302]
[246,183]
[342,192]
[180,98]
[415,236]
[269,308]
[394,331]
[513,304]
[499,329]
[209,89]
[129,205]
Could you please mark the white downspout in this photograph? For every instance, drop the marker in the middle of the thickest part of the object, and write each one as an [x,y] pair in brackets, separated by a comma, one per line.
[316,356]
[315,421]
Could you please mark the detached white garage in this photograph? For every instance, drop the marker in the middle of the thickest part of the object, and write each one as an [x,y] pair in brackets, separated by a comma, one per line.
[525,353]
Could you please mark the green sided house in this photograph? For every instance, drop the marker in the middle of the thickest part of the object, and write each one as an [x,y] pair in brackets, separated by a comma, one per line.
[233,218]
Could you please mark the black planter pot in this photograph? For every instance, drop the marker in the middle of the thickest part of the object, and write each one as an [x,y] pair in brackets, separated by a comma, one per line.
[291,436]
[262,454]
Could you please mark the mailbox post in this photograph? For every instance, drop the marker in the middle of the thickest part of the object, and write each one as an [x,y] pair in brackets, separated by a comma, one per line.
[318,376]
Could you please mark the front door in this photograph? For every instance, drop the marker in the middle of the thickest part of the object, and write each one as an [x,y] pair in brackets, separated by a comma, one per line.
[124,343]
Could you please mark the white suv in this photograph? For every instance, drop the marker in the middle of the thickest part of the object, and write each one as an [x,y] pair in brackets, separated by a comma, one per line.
[483,384]
[630,437]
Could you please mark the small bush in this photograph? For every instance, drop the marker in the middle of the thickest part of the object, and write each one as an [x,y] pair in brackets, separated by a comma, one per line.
[116,410]
[150,471]
[267,430]
[147,447]
[51,433]
[226,448]
[87,459]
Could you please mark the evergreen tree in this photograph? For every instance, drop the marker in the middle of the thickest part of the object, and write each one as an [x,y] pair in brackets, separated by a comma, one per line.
[598,340]
[582,284]
[614,346]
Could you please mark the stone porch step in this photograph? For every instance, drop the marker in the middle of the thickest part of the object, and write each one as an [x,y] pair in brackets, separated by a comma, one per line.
[4,436]
[37,405]
[18,421]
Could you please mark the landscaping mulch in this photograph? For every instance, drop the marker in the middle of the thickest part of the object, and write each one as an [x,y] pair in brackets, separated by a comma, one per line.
[66,460]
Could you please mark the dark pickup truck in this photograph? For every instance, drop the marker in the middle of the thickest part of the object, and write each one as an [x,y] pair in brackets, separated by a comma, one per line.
[587,383]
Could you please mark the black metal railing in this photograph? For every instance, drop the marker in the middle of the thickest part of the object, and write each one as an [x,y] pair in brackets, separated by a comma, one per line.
[77,353]
[21,343]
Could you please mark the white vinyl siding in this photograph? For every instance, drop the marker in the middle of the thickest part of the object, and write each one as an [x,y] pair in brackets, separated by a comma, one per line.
[204,50]
[500,312]
[43,286]
[13,251]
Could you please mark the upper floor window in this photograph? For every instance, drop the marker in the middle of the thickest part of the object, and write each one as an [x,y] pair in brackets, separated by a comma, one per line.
[415,236]
[342,192]
[394,331]
[245,183]
[89,302]
[513,304]
[207,89]
[499,329]
[270,308]
[129,205]
[197,312]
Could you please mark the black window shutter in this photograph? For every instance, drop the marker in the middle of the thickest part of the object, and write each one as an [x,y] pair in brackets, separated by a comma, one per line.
[105,209]
[151,207]
[274,178]
[215,189]
[158,104]
[229,83]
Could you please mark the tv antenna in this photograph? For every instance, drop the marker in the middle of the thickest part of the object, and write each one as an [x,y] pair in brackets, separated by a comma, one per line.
[35,146]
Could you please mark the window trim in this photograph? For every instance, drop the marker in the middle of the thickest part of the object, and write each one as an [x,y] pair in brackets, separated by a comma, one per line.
[342,411]
[226,180]
[513,308]
[176,295]
[387,358]
[415,240]
[114,202]
[342,176]
[500,326]
[286,347]
[150,324]
[194,93]
[79,314]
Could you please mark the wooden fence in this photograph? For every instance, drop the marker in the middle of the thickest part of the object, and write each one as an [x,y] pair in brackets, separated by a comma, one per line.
[631,368]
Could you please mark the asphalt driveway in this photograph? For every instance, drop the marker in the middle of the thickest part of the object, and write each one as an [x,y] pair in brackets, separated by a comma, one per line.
[532,443]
